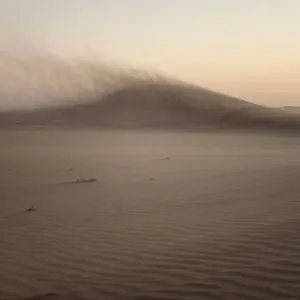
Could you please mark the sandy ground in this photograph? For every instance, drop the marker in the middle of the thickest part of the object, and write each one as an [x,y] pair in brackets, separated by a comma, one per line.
[171,216]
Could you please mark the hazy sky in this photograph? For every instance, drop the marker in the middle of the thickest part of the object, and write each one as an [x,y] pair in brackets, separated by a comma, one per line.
[249,49]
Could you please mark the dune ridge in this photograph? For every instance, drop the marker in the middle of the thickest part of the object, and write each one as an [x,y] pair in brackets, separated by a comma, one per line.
[158,105]
[84,93]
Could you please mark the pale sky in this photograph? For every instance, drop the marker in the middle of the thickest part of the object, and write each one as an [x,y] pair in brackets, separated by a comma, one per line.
[248,49]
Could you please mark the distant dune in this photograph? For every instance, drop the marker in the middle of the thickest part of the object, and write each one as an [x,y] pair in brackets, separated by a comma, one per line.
[159,104]
[292,109]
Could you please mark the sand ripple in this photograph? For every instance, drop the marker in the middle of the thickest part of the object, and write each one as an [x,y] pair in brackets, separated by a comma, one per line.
[198,234]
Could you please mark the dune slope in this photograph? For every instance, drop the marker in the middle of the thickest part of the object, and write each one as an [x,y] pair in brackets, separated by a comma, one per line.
[158,104]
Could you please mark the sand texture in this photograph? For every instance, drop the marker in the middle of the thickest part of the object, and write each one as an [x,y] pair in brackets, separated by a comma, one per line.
[144,215]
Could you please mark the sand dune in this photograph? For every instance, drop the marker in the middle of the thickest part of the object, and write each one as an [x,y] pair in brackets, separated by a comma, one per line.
[171,216]
[159,104]
[292,109]
[76,93]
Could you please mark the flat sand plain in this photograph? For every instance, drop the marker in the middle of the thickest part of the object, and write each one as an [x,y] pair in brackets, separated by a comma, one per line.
[168,216]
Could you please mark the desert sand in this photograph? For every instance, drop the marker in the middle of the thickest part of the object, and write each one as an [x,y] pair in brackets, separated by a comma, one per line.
[168,215]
